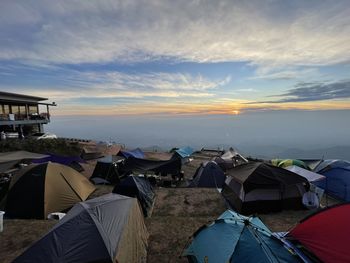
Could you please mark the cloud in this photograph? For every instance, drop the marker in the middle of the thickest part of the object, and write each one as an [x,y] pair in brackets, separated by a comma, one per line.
[265,33]
[304,92]
[286,73]
[64,85]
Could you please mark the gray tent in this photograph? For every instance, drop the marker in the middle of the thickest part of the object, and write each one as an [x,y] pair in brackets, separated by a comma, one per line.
[109,228]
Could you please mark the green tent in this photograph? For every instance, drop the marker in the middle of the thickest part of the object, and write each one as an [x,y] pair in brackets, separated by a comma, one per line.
[289,162]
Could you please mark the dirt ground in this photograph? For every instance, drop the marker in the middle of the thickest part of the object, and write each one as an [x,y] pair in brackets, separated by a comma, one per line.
[177,214]
[18,235]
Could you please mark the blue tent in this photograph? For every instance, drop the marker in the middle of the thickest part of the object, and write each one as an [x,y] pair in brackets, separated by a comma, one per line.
[184,152]
[209,174]
[236,238]
[337,182]
[137,153]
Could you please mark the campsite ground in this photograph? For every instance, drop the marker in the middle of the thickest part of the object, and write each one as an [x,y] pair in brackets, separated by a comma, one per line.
[177,214]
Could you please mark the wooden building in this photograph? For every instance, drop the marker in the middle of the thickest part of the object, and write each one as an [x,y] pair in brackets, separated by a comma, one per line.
[21,113]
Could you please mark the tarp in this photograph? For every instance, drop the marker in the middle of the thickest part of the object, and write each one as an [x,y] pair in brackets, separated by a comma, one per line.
[109,228]
[111,159]
[185,152]
[66,160]
[236,238]
[19,155]
[172,166]
[337,182]
[209,174]
[310,176]
[136,153]
[326,233]
[139,187]
[40,189]
[261,188]
[9,159]
[72,161]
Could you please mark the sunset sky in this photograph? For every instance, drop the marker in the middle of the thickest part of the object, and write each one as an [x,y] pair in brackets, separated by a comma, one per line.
[177,57]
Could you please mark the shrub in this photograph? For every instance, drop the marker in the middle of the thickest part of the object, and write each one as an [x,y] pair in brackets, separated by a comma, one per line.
[54,146]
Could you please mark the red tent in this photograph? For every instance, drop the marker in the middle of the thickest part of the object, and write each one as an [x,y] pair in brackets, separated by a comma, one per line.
[326,234]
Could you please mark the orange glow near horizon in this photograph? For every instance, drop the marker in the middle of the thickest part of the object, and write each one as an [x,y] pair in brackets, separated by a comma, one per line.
[195,108]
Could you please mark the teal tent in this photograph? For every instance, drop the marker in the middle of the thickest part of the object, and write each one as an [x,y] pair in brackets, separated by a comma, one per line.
[236,238]
[184,152]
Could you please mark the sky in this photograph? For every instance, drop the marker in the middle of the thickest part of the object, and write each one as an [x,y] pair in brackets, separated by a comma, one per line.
[178,58]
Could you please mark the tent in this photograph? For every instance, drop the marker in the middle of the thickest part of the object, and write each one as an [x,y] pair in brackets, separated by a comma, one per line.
[172,166]
[139,187]
[92,151]
[311,163]
[38,190]
[72,161]
[289,162]
[229,159]
[184,153]
[337,173]
[209,174]
[260,188]
[107,169]
[310,176]
[9,159]
[326,233]
[236,238]
[136,153]
[109,228]
[232,154]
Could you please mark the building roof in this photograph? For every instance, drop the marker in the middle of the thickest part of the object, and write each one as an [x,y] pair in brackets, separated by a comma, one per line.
[14,97]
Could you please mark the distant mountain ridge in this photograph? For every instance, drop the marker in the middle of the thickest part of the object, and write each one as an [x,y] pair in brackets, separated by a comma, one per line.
[335,152]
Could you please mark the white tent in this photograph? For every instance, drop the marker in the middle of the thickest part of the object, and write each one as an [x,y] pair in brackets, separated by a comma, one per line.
[310,176]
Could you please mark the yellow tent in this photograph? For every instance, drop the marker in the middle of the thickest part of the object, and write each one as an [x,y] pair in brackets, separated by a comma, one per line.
[38,190]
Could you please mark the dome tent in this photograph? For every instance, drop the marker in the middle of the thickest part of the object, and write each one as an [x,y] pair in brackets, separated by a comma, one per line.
[209,174]
[38,190]
[139,187]
[325,233]
[337,182]
[236,238]
[106,229]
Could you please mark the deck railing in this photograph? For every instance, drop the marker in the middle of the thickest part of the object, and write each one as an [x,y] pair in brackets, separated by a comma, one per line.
[23,117]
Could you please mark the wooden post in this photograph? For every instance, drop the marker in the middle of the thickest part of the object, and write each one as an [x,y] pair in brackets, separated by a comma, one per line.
[48,112]
[27,111]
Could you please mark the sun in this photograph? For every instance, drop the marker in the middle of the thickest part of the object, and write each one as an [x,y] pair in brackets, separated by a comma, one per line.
[236,112]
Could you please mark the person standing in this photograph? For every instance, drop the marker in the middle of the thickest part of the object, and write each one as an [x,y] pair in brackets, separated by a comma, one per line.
[3,136]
